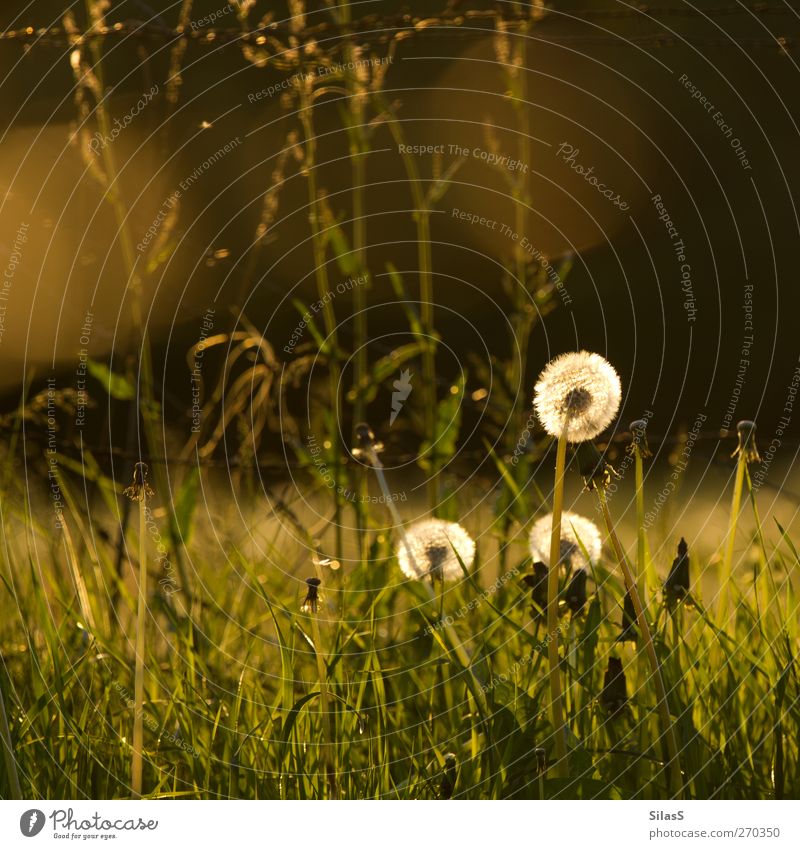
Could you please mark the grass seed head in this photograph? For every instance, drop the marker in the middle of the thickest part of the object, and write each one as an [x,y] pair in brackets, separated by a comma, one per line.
[577,396]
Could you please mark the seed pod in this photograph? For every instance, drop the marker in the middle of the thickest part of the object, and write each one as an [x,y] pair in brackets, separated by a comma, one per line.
[538,584]
[614,695]
[594,469]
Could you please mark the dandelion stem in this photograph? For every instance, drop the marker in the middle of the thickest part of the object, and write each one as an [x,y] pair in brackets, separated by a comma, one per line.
[727,560]
[644,564]
[138,685]
[556,706]
[325,704]
[673,767]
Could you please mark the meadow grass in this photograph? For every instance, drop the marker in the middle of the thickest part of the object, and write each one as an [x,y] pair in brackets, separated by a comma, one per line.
[252,697]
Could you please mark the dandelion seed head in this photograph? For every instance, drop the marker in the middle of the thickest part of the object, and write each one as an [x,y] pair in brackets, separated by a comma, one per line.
[577,395]
[433,544]
[576,530]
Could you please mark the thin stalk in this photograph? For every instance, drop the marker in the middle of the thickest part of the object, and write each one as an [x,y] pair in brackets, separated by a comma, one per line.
[673,767]
[556,706]
[644,563]
[325,708]
[8,751]
[138,686]
[727,560]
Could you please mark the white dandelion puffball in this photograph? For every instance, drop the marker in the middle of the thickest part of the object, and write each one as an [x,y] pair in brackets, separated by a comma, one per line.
[581,389]
[432,543]
[576,531]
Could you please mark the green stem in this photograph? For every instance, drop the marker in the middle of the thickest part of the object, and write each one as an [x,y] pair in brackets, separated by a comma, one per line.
[673,766]
[556,706]
[323,292]
[138,687]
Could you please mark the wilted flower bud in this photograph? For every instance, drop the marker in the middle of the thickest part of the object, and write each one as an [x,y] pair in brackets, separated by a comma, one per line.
[538,584]
[366,446]
[540,755]
[575,594]
[448,784]
[311,602]
[577,533]
[139,488]
[592,465]
[676,586]
[639,439]
[614,695]
[747,442]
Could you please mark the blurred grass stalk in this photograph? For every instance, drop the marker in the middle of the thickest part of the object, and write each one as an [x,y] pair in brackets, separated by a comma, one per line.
[141,620]
[673,767]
